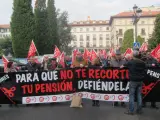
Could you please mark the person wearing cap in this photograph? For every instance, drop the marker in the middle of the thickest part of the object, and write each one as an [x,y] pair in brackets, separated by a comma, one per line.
[137,74]
[117,62]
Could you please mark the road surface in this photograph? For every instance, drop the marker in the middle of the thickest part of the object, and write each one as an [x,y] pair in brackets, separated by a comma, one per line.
[62,111]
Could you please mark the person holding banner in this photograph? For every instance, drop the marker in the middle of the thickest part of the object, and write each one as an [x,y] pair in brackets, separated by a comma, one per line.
[31,65]
[79,62]
[137,74]
[96,64]
[117,62]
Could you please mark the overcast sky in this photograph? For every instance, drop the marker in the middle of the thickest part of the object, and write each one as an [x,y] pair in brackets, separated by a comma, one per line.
[80,9]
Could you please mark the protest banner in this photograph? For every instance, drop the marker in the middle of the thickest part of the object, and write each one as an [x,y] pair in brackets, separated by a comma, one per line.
[105,84]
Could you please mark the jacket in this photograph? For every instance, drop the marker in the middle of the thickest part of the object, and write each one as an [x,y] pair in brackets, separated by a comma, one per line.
[136,69]
[117,63]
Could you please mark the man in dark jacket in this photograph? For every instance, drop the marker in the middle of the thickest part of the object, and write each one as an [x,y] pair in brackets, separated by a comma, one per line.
[31,66]
[136,73]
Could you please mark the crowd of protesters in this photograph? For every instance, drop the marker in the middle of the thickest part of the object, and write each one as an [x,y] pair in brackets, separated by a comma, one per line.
[142,59]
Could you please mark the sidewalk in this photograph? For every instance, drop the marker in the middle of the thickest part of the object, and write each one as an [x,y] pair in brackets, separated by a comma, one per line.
[62,111]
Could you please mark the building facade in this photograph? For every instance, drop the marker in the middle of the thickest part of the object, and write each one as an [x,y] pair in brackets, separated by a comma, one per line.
[104,34]
[91,34]
[5,31]
[121,22]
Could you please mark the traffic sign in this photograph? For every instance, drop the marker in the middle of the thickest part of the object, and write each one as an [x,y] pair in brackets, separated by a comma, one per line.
[136,45]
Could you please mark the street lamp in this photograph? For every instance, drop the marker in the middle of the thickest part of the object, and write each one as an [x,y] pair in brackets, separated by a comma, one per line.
[137,14]
[117,35]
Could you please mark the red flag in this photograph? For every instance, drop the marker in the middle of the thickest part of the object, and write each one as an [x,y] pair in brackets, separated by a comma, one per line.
[57,52]
[61,61]
[128,51]
[74,53]
[93,55]
[144,47]
[32,50]
[103,52]
[86,54]
[156,52]
[5,62]
[100,52]
[111,52]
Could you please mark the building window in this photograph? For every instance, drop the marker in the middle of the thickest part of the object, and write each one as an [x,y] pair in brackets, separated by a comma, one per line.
[142,22]
[107,28]
[81,37]
[100,37]
[94,36]
[87,29]
[101,43]
[107,43]
[150,35]
[2,30]
[107,36]
[120,41]
[94,29]
[74,38]
[87,37]
[81,29]
[87,44]
[81,44]
[94,43]
[75,44]
[120,32]
[120,22]
[87,22]
[131,22]
[143,32]
[74,30]
[100,28]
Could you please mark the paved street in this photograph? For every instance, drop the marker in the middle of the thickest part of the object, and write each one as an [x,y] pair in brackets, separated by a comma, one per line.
[62,111]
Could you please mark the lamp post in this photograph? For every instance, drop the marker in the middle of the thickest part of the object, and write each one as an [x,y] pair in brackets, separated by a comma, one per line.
[117,35]
[137,14]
